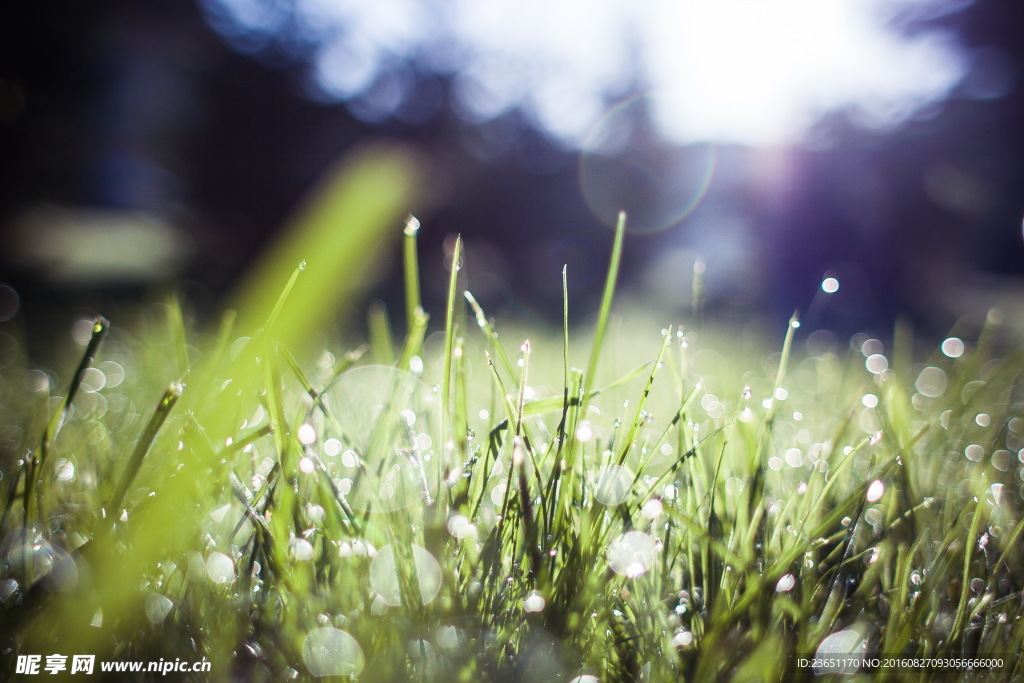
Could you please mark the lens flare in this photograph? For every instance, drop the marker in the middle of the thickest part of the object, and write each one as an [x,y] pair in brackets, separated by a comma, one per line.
[622,167]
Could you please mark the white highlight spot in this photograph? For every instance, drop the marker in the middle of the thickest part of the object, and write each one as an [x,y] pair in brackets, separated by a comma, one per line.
[534,603]
[307,435]
[632,553]
[220,568]
[953,347]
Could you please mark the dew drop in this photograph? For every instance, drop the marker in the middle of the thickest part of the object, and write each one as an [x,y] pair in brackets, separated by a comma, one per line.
[785,584]
[875,491]
[412,226]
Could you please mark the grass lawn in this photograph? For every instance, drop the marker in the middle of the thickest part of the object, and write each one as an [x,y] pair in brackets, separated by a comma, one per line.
[480,507]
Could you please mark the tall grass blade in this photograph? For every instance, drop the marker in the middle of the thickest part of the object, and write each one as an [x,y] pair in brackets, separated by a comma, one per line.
[156,420]
[606,306]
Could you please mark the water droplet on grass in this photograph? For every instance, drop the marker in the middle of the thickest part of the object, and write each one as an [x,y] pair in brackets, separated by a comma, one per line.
[332,652]
[412,226]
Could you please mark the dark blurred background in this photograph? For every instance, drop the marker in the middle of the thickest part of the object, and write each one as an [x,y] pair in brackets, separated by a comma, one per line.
[778,143]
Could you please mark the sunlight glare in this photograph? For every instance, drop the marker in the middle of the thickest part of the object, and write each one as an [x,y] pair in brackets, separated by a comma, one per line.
[741,71]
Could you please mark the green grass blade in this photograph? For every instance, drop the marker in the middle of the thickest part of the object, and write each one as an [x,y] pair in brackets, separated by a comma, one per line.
[606,306]
[411,264]
[156,420]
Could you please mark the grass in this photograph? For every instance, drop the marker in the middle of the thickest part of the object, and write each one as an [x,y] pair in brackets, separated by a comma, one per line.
[484,510]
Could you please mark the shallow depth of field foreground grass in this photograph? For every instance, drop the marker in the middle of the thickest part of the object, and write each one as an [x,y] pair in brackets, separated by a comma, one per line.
[486,508]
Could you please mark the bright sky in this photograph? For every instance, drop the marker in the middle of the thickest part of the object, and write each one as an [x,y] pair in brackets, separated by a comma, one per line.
[757,72]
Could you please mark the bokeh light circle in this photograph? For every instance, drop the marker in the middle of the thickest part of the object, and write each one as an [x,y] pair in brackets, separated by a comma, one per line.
[632,553]
[332,652]
[613,484]
[624,166]
[391,560]
[386,422]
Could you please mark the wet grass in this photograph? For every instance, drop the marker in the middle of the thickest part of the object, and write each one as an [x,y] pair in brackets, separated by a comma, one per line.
[684,508]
